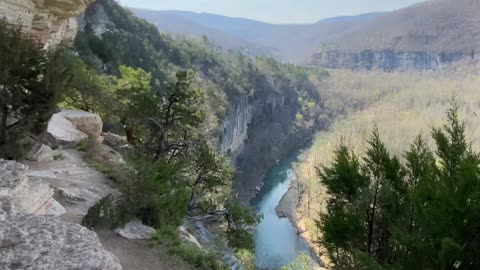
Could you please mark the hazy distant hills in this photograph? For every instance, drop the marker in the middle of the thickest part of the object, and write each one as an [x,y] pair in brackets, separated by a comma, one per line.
[433,26]
[288,42]
[425,36]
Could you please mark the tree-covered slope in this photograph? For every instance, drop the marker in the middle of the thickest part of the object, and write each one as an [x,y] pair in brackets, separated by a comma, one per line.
[426,36]
[257,109]
[285,42]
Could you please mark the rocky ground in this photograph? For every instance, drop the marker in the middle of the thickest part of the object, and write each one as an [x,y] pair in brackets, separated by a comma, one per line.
[43,201]
[77,186]
[139,254]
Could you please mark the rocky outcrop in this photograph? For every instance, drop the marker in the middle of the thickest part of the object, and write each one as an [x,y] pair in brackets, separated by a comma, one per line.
[135,230]
[63,131]
[42,153]
[388,60]
[88,123]
[51,22]
[77,186]
[43,203]
[97,19]
[257,133]
[70,126]
[26,196]
[235,127]
[44,243]
[31,240]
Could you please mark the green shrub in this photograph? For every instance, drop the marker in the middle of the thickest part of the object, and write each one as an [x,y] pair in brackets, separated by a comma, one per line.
[30,84]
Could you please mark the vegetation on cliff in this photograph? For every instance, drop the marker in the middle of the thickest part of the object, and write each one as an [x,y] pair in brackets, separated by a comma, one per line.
[399,108]
[423,214]
[169,97]
[30,86]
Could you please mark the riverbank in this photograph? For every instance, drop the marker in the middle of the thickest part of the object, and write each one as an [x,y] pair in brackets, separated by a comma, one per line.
[287,206]
[290,207]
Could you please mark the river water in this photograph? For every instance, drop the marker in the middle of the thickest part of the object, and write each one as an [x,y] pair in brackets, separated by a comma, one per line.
[276,239]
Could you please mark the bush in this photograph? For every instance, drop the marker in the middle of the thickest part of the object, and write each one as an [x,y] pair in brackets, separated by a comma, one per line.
[30,83]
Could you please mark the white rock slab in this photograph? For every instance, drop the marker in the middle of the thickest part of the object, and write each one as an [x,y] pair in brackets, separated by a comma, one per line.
[64,131]
[135,230]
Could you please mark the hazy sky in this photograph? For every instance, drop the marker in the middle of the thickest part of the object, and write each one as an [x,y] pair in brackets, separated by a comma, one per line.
[275,11]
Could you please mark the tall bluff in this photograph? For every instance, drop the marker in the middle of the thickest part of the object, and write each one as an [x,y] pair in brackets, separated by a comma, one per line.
[390,59]
[51,22]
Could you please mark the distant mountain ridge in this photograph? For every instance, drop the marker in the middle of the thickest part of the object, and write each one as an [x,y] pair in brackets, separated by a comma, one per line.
[426,36]
[287,42]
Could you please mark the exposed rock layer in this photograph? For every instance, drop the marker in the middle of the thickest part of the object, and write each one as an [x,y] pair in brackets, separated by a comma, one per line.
[388,60]
[88,123]
[258,133]
[45,243]
[31,237]
[49,21]
[26,196]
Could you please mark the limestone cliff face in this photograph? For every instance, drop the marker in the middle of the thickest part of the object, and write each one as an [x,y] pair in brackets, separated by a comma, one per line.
[235,127]
[257,133]
[51,22]
[389,60]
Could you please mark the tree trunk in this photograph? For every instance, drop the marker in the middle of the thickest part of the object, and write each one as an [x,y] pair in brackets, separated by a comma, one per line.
[372,218]
[3,126]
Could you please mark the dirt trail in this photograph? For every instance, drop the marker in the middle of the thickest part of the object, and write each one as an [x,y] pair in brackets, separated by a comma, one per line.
[139,255]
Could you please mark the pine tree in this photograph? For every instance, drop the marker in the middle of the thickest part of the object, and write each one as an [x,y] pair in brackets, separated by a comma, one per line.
[424,215]
[343,224]
[450,217]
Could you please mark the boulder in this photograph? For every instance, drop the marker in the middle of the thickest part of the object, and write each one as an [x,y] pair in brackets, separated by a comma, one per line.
[110,154]
[64,131]
[114,140]
[88,123]
[26,196]
[42,153]
[188,237]
[49,22]
[135,230]
[45,243]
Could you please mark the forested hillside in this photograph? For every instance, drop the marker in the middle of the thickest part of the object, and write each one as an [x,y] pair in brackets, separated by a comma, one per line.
[400,106]
[428,36]
[292,43]
[245,97]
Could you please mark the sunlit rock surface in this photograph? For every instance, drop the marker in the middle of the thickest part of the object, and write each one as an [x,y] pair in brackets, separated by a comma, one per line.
[51,22]
[63,130]
[88,123]
[135,230]
[46,243]
[24,195]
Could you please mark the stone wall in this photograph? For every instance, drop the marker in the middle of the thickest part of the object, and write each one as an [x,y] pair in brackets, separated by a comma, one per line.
[51,22]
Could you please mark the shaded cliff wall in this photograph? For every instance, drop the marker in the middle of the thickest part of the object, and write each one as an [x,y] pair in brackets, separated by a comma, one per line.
[389,60]
[260,131]
[51,22]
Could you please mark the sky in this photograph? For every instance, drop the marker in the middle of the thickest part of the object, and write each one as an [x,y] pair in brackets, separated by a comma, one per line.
[275,11]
